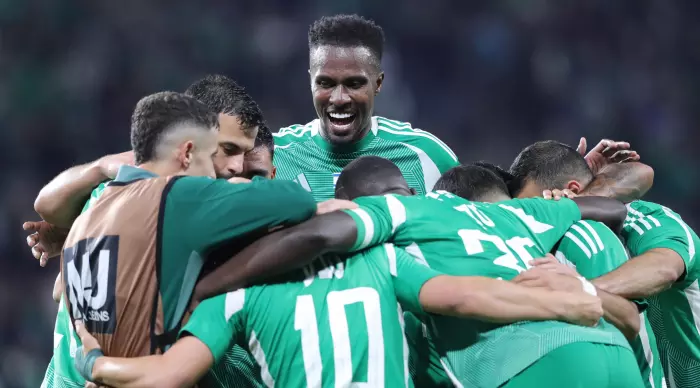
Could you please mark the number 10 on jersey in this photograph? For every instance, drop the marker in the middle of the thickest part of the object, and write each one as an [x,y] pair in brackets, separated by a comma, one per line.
[306,322]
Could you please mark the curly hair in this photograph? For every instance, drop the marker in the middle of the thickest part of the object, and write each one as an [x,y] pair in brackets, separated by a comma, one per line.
[347,31]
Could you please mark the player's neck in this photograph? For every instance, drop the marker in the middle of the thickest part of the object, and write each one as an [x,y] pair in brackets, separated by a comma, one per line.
[161,168]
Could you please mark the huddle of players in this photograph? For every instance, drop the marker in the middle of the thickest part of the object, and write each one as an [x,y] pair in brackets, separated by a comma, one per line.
[394,247]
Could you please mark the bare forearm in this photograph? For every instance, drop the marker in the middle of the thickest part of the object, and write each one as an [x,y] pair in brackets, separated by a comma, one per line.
[492,300]
[643,276]
[622,313]
[129,372]
[280,252]
[609,211]
[61,201]
[57,288]
[623,181]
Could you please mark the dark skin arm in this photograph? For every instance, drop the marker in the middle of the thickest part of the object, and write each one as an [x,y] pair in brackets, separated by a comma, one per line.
[623,181]
[280,252]
[609,211]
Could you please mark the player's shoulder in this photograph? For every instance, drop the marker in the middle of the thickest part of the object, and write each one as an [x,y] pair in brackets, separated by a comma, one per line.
[404,132]
[640,207]
[590,236]
[293,133]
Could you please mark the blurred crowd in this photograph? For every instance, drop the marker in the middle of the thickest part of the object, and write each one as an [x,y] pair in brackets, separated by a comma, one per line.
[488,78]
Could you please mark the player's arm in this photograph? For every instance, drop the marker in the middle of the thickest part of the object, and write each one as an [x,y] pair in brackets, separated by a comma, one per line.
[281,251]
[661,245]
[623,181]
[61,200]
[609,211]
[645,275]
[213,211]
[622,313]
[57,288]
[420,288]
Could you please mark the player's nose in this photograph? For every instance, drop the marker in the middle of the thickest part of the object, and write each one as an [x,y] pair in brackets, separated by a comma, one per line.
[340,96]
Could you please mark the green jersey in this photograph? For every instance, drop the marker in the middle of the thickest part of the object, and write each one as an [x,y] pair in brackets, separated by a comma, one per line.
[594,250]
[336,323]
[61,373]
[493,240]
[674,313]
[303,155]
[236,369]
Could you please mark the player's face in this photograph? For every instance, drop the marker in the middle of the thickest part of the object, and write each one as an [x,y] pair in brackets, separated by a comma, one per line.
[344,81]
[233,144]
[258,162]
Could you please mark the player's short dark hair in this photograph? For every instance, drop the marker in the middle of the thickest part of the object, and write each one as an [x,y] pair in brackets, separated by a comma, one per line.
[265,140]
[347,31]
[550,164]
[367,175]
[223,95]
[158,113]
[472,182]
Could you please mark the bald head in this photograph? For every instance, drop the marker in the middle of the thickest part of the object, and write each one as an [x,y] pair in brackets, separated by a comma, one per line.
[371,175]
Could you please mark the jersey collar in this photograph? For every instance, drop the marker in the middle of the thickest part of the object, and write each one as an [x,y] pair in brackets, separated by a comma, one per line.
[130,173]
[355,147]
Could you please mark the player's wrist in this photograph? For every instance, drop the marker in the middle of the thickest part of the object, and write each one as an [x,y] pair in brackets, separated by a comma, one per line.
[85,363]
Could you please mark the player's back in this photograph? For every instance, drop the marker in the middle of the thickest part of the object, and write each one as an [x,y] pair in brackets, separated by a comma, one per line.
[109,268]
[336,323]
[458,237]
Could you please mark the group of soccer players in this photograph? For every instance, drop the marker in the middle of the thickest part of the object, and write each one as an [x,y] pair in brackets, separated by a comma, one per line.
[365,255]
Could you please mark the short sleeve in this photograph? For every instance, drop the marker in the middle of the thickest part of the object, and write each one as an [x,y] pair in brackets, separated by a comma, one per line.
[548,220]
[377,219]
[649,226]
[215,321]
[211,211]
[408,276]
[593,250]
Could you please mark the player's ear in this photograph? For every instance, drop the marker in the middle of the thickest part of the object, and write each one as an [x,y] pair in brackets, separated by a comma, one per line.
[380,82]
[413,191]
[185,154]
[574,186]
[273,173]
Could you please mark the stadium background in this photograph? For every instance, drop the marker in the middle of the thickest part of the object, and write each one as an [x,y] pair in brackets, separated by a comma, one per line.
[488,79]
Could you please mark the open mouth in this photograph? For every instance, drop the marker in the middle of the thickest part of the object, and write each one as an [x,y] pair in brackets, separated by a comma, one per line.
[341,120]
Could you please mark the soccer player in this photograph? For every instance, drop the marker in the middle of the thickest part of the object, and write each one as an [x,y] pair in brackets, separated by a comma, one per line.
[301,333]
[665,269]
[259,160]
[498,239]
[345,53]
[144,276]
[590,247]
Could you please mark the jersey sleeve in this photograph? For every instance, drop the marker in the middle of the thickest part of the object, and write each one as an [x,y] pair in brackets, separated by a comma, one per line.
[216,321]
[377,220]
[593,250]
[548,220]
[408,276]
[94,195]
[650,226]
[211,211]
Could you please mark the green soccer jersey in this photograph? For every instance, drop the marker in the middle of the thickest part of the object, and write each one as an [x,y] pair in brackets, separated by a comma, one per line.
[61,373]
[594,250]
[336,323]
[236,369]
[458,237]
[303,155]
[674,313]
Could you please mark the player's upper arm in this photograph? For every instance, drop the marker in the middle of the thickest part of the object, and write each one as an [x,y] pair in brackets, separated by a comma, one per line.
[216,320]
[408,275]
[212,211]
[548,220]
[377,218]
[647,228]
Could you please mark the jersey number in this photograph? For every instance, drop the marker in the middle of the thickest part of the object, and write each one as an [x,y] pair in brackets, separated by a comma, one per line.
[515,256]
[89,273]
[305,321]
